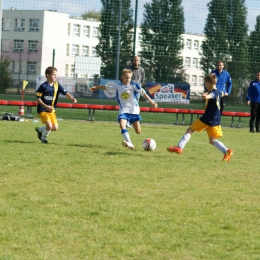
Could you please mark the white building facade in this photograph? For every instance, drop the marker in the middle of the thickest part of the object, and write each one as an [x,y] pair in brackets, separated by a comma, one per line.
[36,39]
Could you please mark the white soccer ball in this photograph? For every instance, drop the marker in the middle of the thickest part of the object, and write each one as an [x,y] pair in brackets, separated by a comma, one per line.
[149,144]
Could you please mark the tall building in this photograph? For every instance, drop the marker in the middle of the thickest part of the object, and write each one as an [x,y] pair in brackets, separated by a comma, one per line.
[36,39]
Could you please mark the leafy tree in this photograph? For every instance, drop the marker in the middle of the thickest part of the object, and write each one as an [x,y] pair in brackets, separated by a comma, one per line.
[161,43]
[215,47]
[5,74]
[92,15]
[108,39]
[254,50]
[226,39]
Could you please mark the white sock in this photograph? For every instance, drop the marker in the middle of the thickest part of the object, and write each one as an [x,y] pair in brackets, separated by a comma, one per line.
[42,128]
[184,140]
[220,146]
[45,134]
[126,136]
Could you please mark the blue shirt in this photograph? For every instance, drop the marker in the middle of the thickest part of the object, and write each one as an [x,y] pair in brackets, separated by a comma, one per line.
[253,92]
[224,82]
[212,114]
[49,95]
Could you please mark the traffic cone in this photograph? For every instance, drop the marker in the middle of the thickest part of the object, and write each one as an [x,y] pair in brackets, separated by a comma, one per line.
[21,111]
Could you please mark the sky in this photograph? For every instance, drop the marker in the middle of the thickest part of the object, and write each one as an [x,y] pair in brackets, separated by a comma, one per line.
[195,11]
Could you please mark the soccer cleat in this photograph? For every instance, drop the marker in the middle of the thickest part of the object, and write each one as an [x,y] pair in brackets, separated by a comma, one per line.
[227,155]
[251,131]
[128,144]
[174,149]
[44,142]
[128,125]
[38,133]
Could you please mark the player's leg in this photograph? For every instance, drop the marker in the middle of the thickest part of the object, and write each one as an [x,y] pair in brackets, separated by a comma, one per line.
[214,133]
[122,120]
[135,121]
[252,116]
[257,121]
[197,126]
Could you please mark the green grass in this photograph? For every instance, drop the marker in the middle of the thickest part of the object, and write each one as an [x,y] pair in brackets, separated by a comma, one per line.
[85,196]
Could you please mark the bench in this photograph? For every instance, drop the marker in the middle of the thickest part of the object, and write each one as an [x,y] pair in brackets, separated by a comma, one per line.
[93,107]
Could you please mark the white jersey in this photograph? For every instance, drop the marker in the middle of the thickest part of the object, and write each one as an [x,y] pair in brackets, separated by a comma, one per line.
[127,97]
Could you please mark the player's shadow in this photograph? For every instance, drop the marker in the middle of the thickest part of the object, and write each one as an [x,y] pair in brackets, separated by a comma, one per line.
[18,141]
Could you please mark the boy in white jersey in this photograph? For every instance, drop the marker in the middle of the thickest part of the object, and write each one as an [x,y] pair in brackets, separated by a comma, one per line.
[209,121]
[129,109]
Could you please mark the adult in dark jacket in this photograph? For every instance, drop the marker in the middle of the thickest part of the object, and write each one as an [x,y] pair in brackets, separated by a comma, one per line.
[253,98]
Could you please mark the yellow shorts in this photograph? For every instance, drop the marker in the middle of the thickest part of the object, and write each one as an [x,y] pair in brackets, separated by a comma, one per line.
[199,126]
[47,116]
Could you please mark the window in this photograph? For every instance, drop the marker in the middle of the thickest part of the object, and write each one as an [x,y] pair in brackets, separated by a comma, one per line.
[95,32]
[193,80]
[68,28]
[75,50]
[187,78]
[195,45]
[32,46]
[6,24]
[16,66]
[19,24]
[188,44]
[94,52]
[68,50]
[18,45]
[31,67]
[85,31]
[194,62]
[5,45]
[84,50]
[72,70]
[76,29]
[187,62]
[67,70]
[34,25]
[201,81]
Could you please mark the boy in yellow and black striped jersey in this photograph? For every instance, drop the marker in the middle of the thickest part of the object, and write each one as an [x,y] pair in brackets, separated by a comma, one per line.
[209,121]
[47,96]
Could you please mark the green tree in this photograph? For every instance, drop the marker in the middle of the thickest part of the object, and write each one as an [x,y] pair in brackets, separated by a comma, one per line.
[254,50]
[215,47]
[237,40]
[161,43]
[226,39]
[5,74]
[92,15]
[108,38]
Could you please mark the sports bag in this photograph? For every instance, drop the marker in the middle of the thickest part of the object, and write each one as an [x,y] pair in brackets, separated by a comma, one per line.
[10,117]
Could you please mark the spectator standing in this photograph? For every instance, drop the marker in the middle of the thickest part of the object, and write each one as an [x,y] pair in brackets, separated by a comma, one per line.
[138,76]
[224,82]
[253,98]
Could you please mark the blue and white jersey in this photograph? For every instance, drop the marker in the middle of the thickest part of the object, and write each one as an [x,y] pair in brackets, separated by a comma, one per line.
[127,97]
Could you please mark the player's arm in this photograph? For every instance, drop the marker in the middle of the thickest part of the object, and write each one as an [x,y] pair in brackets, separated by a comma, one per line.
[68,95]
[155,105]
[206,96]
[49,108]
[97,88]
[229,86]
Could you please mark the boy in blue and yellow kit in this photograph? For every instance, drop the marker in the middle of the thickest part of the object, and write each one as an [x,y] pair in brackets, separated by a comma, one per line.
[47,96]
[209,121]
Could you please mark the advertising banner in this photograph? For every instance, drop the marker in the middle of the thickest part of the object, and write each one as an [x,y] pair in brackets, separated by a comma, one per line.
[178,93]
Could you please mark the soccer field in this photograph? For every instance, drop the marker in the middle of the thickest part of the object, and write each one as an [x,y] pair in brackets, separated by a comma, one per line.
[85,196]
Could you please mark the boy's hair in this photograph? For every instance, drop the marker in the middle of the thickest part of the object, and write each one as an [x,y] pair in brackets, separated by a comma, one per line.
[50,70]
[126,71]
[211,78]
